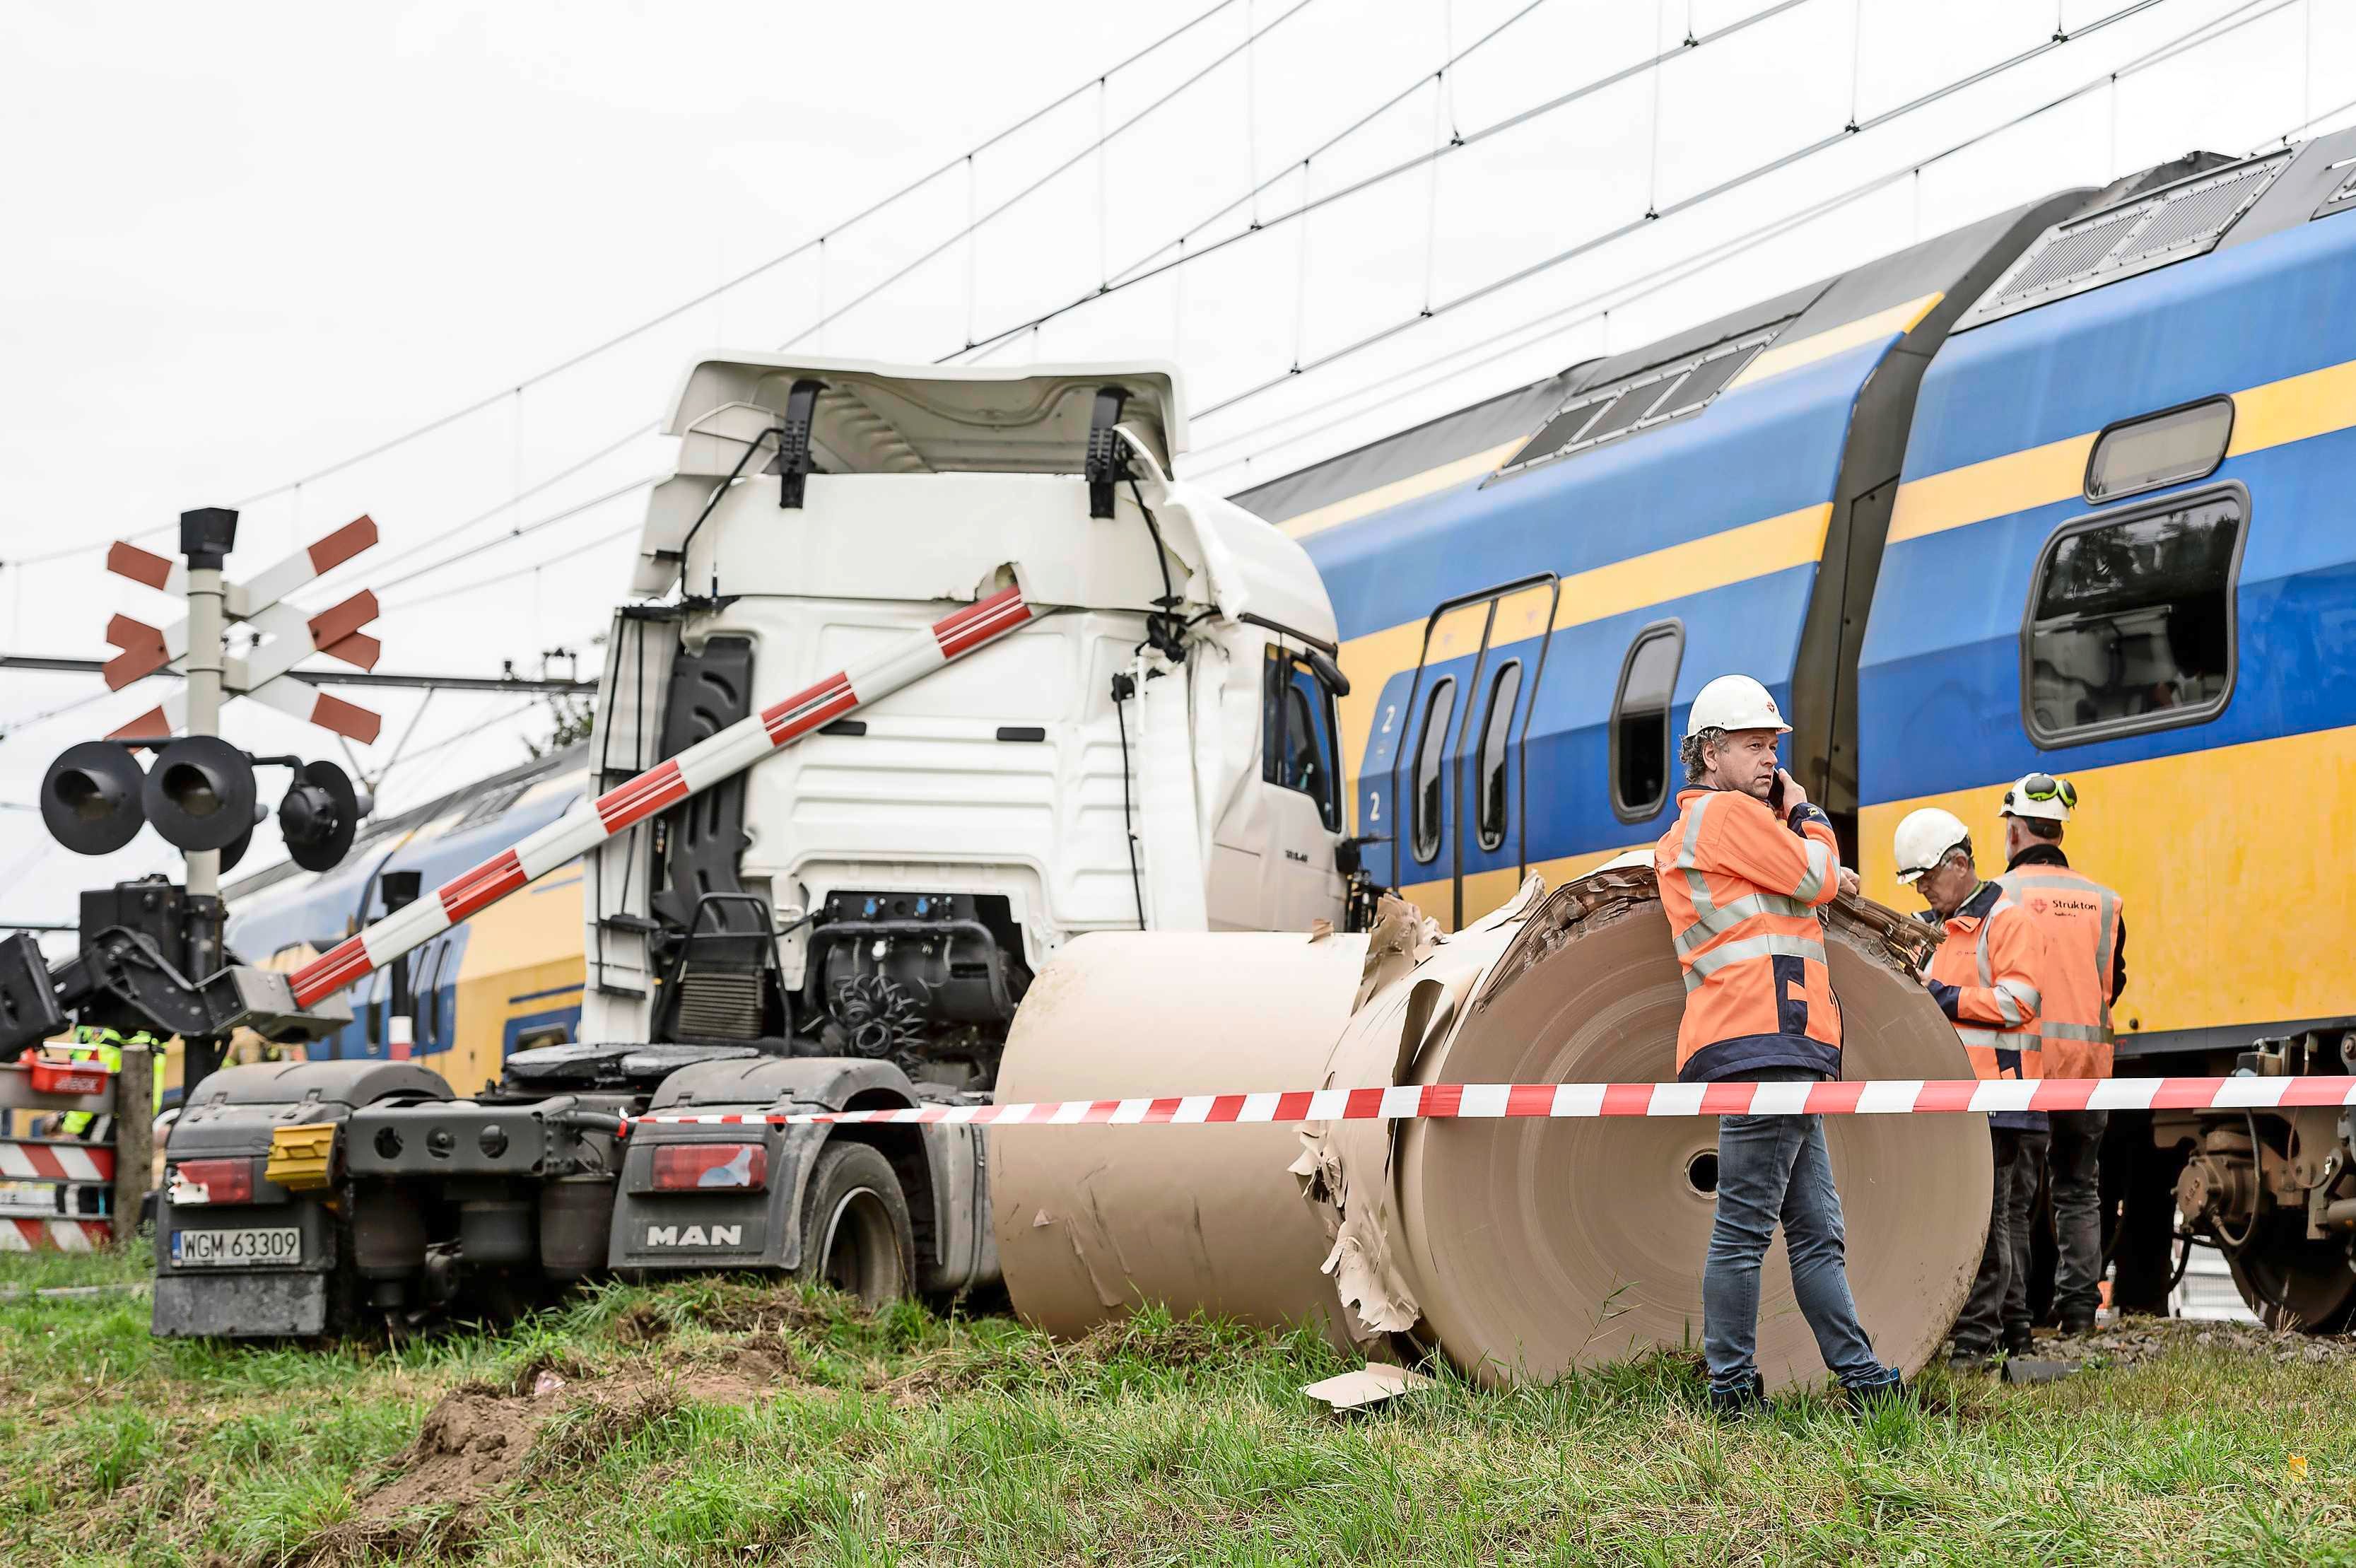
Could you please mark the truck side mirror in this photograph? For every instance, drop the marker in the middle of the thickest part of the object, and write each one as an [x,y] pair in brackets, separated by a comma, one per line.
[1329,674]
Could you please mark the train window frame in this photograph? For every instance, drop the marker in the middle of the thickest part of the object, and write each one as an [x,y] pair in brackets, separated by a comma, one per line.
[2095,453]
[1285,675]
[1674,628]
[2046,739]
[1426,853]
[1484,768]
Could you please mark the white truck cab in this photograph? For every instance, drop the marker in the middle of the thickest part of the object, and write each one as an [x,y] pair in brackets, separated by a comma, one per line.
[1156,749]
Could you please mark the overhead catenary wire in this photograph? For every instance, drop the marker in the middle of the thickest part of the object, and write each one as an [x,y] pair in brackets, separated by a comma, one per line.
[1139,274]
[1444,112]
[826,314]
[935,253]
[523,531]
[2214,29]
[1671,209]
[834,230]
[478,584]
[673,313]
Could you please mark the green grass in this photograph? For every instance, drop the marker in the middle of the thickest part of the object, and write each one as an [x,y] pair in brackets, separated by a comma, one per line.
[21,1272]
[724,1422]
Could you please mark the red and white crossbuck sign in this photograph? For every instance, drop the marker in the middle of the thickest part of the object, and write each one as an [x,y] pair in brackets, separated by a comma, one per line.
[292,636]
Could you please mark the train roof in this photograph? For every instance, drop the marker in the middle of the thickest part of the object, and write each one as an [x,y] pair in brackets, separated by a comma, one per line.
[1874,302]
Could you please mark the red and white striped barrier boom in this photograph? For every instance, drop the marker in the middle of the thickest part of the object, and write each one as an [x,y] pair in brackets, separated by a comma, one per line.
[701,766]
[1465,1102]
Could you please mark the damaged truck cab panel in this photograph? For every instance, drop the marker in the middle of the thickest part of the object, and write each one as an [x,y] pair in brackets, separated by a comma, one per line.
[888,885]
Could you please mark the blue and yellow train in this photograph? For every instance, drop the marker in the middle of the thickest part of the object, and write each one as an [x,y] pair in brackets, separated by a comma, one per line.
[2066,491]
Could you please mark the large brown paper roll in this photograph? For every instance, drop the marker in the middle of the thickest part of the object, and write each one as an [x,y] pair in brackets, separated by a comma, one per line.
[1534,1245]
[1093,1220]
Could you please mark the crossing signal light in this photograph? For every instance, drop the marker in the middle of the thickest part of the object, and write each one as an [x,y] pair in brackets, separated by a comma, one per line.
[200,793]
[90,798]
[320,816]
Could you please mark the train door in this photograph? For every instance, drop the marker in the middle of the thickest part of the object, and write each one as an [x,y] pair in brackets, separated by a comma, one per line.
[1490,779]
[1435,761]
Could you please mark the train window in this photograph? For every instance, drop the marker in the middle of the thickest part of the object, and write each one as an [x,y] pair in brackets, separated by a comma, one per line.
[1431,751]
[1640,721]
[2132,625]
[2158,449]
[1497,731]
[1298,745]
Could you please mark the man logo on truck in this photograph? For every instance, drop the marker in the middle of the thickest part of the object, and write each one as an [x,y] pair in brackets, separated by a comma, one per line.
[695,1236]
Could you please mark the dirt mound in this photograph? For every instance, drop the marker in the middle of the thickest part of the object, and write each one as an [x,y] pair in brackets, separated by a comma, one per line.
[554,1416]
[2139,1339]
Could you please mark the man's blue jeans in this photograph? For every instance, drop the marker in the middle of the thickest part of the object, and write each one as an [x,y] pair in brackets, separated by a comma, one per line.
[1773,1168]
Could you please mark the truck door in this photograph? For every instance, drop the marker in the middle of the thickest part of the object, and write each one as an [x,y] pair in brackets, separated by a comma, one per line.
[1301,754]
[1455,684]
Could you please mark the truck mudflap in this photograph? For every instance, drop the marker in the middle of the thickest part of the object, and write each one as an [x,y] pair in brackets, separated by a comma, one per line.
[238,1253]
[731,1197]
[240,1306]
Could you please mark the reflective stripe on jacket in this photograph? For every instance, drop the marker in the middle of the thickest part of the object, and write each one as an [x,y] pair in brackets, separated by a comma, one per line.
[1983,976]
[1741,891]
[2079,919]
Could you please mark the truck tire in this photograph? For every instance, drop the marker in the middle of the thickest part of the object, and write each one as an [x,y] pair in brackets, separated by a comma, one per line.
[855,1232]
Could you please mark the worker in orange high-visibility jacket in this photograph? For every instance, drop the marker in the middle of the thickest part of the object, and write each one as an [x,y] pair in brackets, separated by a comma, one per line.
[1983,978]
[2085,926]
[1742,875]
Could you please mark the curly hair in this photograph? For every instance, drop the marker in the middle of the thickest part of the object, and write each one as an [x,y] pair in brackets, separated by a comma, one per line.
[1691,748]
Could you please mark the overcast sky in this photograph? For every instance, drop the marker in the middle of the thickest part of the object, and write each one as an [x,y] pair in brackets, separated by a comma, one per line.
[249,242]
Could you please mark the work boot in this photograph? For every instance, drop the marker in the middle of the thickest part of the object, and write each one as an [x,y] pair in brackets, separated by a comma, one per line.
[1865,1398]
[1971,1357]
[1742,1401]
[2020,1344]
[2077,1323]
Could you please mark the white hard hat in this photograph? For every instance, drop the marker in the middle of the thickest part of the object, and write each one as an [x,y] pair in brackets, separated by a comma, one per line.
[2042,796]
[1734,703]
[1924,839]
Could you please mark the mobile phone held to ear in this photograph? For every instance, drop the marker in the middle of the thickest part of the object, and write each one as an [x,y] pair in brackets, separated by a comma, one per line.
[1775,794]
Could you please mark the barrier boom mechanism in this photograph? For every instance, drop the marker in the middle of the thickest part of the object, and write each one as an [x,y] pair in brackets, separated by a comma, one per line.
[707,762]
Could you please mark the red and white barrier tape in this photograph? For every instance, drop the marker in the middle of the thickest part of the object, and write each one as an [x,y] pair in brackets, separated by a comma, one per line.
[707,762]
[1461,1102]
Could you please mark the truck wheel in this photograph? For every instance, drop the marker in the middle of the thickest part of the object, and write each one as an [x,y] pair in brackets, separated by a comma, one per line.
[855,1231]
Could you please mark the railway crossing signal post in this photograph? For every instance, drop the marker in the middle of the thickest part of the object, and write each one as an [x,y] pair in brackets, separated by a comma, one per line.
[207,536]
[151,954]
